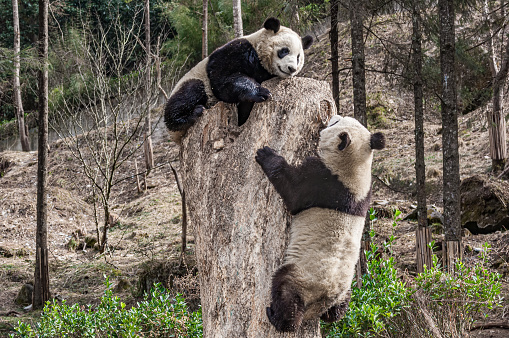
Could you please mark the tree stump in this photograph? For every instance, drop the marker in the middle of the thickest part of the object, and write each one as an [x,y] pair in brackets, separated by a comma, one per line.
[240,224]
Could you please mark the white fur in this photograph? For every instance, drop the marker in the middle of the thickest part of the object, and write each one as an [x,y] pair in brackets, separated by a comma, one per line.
[324,246]
[353,164]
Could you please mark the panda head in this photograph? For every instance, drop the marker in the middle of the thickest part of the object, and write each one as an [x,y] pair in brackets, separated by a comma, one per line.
[280,49]
[346,148]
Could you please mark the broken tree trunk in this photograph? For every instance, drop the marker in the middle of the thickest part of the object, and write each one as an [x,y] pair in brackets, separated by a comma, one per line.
[239,221]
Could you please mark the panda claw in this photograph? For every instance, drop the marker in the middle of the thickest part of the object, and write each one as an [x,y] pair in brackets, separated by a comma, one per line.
[263,94]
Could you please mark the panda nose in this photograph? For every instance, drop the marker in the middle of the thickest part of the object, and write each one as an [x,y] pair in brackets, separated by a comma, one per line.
[291,69]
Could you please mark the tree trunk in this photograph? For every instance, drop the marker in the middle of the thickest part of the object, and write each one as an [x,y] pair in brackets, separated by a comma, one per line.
[147,142]
[240,224]
[204,38]
[359,98]
[41,276]
[451,188]
[20,115]
[237,19]
[496,120]
[334,50]
[423,232]
[358,60]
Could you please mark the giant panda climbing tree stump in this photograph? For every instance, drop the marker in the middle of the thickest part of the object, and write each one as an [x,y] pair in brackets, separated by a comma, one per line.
[239,221]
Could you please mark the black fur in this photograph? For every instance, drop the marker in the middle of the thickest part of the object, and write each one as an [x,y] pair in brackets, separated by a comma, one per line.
[307,41]
[286,310]
[377,141]
[310,185]
[244,110]
[336,312]
[235,73]
[272,24]
[185,105]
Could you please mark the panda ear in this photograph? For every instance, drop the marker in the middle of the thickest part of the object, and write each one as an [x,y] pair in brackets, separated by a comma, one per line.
[345,141]
[377,141]
[272,24]
[307,41]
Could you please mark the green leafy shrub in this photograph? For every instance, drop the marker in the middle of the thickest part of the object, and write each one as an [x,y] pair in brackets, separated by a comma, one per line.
[455,300]
[158,315]
[436,302]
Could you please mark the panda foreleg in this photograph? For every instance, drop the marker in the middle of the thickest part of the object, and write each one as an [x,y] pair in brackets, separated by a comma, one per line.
[242,88]
[280,174]
[286,309]
[186,105]
[336,312]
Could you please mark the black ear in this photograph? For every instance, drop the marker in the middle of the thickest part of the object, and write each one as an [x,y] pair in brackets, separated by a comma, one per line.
[377,141]
[345,141]
[307,41]
[272,24]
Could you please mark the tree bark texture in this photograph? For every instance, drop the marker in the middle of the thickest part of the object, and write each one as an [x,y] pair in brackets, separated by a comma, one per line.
[451,188]
[358,60]
[41,276]
[147,139]
[237,19]
[334,50]
[359,94]
[240,223]
[20,114]
[423,232]
[204,30]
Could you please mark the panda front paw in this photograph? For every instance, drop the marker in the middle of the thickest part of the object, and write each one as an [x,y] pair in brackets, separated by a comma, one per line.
[264,154]
[262,95]
[271,163]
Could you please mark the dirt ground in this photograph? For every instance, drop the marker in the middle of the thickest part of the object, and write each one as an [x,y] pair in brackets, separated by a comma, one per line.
[146,236]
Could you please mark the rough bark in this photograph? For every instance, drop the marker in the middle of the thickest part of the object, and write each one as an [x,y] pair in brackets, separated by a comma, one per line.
[358,60]
[423,232]
[451,188]
[237,19]
[239,221]
[334,50]
[359,96]
[41,276]
[20,114]
[204,30]
[147,139]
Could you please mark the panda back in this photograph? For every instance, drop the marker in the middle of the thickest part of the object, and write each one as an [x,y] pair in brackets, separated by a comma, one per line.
[198,72]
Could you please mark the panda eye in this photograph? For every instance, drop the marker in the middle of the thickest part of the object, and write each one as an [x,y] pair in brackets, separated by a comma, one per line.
[345,141]
[298,58]
[283,52]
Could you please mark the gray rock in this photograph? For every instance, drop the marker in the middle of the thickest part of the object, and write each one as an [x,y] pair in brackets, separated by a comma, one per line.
[25,295]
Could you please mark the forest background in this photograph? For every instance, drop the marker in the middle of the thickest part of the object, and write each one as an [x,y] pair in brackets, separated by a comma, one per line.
[145,225]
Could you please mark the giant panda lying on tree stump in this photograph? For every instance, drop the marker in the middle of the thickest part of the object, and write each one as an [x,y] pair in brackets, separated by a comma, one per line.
[329,197]
[233,73]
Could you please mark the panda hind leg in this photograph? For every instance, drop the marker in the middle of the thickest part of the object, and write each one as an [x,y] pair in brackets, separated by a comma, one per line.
[336,312]
[185,106]
[286,310]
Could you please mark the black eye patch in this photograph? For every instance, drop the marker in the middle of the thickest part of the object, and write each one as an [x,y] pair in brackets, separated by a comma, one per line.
[283,52]
[345,141]
[298,58]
